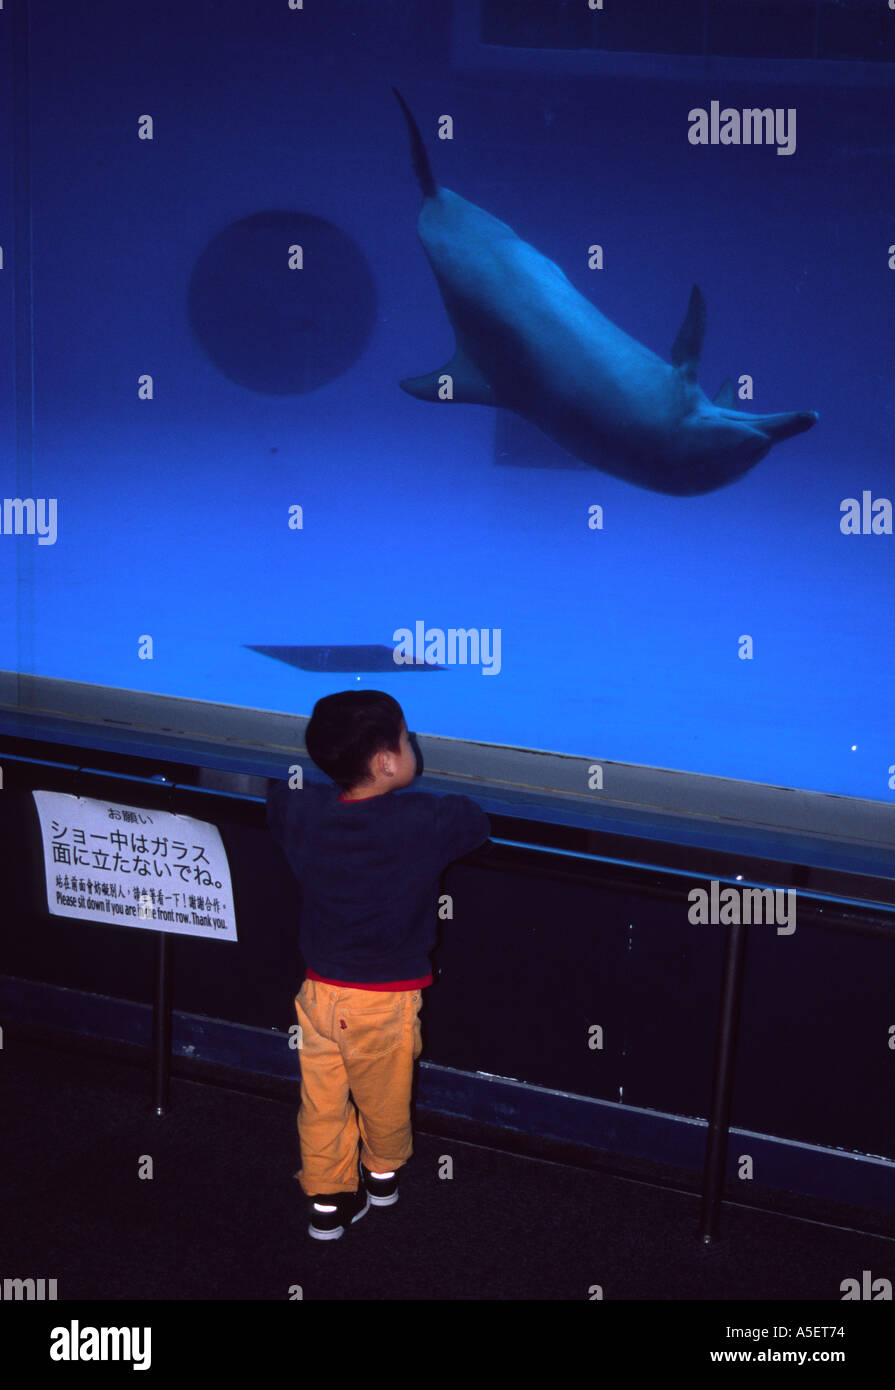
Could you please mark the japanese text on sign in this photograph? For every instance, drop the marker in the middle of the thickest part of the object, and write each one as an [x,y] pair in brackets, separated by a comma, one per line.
[104,862]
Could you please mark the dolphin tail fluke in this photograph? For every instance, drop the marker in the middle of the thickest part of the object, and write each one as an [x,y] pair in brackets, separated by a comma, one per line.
[460,380]
[777,427]
[421,166]
[687,348]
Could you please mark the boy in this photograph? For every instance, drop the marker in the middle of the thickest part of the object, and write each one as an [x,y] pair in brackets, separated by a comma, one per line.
[368,857]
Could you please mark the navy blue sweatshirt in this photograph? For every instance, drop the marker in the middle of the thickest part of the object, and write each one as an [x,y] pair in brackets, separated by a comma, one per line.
[369,872]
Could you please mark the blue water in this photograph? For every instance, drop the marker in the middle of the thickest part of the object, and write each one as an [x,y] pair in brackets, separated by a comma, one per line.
[617,644]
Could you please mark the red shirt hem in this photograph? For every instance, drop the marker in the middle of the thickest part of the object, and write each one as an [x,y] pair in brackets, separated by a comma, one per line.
[365,984]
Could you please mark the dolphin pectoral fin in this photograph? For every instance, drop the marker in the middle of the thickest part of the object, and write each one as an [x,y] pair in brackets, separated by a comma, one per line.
[467,384]
[777,427]
[687,347]
[726,398]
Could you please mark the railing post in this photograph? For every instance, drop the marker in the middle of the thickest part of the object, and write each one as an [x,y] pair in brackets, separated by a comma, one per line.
[161,1023]
[722,1080]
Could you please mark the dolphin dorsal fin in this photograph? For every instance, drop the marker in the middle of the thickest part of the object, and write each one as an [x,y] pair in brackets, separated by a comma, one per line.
[688,343]
[469,386]
[727,395]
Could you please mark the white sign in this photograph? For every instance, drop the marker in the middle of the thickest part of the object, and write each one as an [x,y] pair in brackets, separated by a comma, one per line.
[132,868]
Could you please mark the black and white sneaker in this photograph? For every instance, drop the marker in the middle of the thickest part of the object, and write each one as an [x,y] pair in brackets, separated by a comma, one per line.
[330,1213]
[382,1187]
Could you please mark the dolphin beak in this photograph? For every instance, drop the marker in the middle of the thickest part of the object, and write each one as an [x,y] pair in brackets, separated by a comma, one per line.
[777,427]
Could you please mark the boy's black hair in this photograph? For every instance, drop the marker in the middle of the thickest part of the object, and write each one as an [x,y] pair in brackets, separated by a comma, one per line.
[346,730]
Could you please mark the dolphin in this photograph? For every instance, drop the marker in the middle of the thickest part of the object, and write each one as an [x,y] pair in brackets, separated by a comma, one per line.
[527,341]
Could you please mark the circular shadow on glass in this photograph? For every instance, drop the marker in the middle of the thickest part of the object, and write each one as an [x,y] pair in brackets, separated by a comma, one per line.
[278,330]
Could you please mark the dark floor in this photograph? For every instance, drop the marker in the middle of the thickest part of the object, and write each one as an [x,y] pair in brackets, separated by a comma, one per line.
[223,1218]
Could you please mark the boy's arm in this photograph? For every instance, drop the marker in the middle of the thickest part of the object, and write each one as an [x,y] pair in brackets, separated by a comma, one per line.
[460,826]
